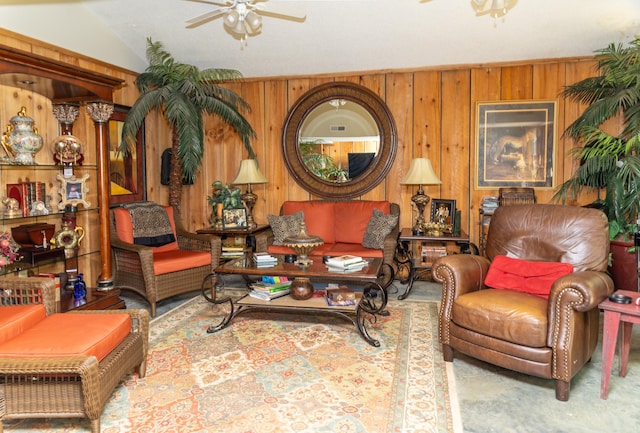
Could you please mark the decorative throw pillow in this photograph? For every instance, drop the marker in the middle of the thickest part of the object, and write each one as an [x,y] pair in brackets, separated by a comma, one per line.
[379,226]
[285,226]
[535,278]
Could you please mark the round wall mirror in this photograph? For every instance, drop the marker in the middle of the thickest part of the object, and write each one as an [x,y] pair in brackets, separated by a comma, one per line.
[339,140]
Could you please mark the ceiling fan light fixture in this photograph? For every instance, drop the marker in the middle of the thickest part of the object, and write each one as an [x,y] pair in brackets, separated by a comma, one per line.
[254,21]
[231,19]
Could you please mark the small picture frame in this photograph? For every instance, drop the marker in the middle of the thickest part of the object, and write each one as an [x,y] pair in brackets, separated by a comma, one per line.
[443,211]
[73,191]
[234,218]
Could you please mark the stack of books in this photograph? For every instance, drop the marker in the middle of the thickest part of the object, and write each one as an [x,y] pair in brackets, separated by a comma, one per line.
[345,263]
[488,205]
[268,291]
[264,259]
[232,251]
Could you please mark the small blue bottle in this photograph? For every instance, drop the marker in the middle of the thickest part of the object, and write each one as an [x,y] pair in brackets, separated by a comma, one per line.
[79,288]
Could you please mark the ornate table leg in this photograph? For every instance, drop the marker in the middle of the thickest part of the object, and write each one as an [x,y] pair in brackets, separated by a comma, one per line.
[210,286]
[372,304]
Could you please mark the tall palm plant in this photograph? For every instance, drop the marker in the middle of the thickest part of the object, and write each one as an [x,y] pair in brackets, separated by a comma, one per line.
[609,161]
[182,93]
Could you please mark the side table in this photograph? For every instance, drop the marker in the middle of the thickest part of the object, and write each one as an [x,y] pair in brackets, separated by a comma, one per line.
[95,300]
[615,313]
[404,253]
[249,235]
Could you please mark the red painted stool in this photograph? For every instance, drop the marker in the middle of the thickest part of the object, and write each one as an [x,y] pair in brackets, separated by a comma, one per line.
[614,313]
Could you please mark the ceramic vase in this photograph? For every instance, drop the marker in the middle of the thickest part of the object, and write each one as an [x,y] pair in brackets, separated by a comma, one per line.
[25,141]
[301,289]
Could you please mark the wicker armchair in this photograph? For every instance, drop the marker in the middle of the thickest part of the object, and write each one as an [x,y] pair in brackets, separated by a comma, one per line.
[65,387]
[134,264]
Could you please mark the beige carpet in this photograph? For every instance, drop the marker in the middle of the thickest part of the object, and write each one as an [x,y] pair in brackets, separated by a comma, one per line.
[274,372]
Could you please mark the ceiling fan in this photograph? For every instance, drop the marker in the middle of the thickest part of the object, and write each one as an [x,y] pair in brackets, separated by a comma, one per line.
[244,17]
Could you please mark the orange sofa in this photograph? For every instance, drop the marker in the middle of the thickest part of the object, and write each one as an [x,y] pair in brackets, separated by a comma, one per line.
[342,226]
[63,364]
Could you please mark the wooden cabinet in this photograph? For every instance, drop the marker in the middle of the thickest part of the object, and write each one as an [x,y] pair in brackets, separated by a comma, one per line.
[42,85]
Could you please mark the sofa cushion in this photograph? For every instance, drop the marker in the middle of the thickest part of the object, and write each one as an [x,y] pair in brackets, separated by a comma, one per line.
[319,216]
[511,316]
[69,334]
[352,218]
[341,249]
[15,319]
[285,226]
[179,260]
[379,226]
[124,227]
[525,276]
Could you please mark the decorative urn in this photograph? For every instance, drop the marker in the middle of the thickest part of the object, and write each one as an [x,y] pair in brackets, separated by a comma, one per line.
[303,243]
[24,139]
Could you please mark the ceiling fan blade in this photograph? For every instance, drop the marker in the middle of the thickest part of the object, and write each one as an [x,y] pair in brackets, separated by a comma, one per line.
[205,18]
[280,11]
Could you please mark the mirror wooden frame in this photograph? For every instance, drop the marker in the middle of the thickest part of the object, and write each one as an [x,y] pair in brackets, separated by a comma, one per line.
[378,168]
[118,116]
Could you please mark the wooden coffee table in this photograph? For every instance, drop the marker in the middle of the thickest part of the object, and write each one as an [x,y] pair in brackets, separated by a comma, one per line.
[371,302]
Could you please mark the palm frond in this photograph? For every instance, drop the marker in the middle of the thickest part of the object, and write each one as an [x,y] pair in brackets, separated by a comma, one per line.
[182,93]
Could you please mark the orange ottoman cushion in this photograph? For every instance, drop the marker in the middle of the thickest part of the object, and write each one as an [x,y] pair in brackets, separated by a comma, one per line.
[63,335]
[15,319]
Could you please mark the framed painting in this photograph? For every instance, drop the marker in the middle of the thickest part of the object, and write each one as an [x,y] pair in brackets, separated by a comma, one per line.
[516,144]
[443,211]
[126,172]
[234,218]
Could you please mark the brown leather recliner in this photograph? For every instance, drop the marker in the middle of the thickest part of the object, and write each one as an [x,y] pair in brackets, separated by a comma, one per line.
[549,338]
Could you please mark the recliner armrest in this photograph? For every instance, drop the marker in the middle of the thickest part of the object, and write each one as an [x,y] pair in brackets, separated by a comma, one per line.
[460,274]
[582,290]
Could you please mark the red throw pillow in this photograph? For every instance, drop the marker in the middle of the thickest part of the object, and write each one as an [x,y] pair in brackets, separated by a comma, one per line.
[525,276]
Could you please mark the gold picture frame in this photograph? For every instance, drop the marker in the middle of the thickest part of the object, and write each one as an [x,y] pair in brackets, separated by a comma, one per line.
[234,218]
[516,144]
[73,191]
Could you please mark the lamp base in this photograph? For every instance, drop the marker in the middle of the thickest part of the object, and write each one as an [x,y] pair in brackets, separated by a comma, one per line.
[420,200]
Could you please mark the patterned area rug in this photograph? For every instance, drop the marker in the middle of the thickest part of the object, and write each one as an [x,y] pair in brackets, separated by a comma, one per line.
[275,372]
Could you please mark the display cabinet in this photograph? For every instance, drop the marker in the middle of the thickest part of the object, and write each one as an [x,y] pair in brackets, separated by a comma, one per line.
[63,99]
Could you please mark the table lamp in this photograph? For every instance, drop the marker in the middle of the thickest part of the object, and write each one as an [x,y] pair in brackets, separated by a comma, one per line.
[420,173]
[248,174]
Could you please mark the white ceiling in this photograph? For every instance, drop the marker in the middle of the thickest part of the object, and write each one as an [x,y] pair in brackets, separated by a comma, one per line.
[337,35]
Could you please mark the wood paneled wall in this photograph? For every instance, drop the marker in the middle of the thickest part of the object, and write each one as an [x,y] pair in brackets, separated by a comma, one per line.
[434,110]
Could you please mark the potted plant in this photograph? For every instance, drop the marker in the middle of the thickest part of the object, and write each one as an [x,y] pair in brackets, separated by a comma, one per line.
[610,160]
[223,197]
[183,93]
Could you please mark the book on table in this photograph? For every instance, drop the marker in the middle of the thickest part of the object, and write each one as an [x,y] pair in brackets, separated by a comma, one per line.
[268,296]
[343,260]
[265,261]
[271,287]
[356,266]
[339,295]
[264,258]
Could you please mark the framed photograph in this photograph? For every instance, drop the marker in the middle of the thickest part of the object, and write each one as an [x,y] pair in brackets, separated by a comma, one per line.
[516,144]
[234,218]
[73,191]
[443,211]
[126,172]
